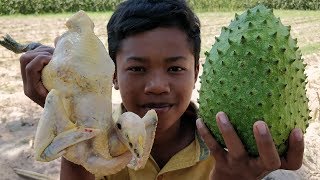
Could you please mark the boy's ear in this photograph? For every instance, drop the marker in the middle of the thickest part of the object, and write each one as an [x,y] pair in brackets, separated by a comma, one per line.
[115,81]
[196,73]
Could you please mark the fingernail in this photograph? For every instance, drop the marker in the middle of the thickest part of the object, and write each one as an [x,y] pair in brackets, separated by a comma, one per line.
[298,134]
[199,123]
[223,120]
[262,129]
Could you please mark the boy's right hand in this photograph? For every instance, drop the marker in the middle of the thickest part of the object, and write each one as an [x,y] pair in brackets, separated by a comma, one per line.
[32,63]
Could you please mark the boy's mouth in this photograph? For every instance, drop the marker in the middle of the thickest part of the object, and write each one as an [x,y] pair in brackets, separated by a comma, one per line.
[158,107]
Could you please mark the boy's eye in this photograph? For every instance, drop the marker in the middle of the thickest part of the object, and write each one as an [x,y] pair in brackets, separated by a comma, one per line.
[136,69]
[175,69]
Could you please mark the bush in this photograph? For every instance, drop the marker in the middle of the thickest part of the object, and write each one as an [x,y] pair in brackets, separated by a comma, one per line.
[54,6]
[296,4]
[208,5]
[58,6]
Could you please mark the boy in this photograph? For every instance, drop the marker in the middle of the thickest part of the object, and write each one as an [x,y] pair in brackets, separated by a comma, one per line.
[155,45]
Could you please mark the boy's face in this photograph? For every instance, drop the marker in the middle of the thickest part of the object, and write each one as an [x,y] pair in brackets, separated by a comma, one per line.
[156,70]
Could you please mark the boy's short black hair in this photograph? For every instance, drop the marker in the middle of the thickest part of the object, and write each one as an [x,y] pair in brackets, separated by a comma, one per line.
[137,16]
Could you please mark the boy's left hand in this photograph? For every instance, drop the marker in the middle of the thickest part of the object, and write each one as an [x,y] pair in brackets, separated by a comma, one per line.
[236,164]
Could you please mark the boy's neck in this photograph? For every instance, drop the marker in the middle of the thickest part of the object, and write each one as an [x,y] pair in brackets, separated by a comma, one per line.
[172,141]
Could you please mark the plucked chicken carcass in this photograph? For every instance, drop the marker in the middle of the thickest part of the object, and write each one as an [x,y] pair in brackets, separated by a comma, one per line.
[77,119]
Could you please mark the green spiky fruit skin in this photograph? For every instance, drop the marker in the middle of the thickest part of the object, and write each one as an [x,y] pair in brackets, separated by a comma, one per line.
[253,72]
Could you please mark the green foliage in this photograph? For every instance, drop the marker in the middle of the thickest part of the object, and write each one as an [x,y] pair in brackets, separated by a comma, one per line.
[294,4]
[54,6]
[208,5]
[58,6]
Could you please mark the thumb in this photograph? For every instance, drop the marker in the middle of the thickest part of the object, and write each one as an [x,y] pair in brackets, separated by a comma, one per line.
[215,149]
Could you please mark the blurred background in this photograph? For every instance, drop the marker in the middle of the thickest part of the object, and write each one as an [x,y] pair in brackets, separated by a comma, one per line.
[58,6]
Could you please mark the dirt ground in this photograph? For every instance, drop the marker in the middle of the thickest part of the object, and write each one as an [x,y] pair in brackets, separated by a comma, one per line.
[19,115]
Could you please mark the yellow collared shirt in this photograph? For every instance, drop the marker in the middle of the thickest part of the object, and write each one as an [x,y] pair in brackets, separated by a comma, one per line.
[193,162]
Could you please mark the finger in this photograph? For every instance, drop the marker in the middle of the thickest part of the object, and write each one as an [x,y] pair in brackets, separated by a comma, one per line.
[25,59]
[268,154]
[43,48]
[33,54]
[235,147]
[293,160]
[33,75]
[216,150]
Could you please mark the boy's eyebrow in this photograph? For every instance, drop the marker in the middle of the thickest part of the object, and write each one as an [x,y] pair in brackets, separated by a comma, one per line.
[135,58]
[175,58]
[143,59]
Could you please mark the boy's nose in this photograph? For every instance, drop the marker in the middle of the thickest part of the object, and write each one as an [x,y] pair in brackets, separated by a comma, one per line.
[157,84]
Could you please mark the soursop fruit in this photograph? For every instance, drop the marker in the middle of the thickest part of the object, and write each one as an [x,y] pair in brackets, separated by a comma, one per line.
[254,71]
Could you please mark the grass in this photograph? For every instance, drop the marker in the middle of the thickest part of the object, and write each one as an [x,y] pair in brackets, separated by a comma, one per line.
[290,13]
[310,48]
